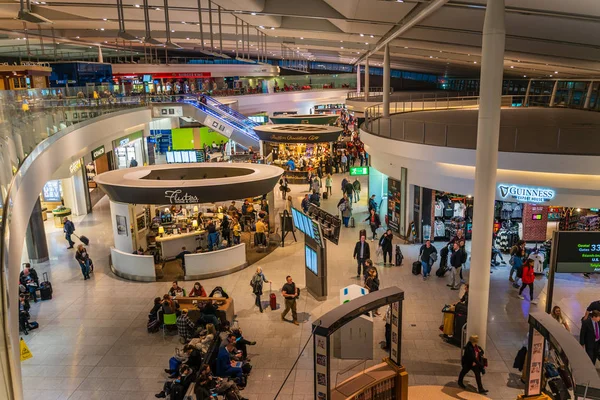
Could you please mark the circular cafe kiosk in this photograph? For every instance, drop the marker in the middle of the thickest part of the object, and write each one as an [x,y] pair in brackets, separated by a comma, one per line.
[158,210]
[311,119]
[298,147]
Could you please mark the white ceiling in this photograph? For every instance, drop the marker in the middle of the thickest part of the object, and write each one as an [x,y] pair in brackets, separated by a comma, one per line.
[543,37]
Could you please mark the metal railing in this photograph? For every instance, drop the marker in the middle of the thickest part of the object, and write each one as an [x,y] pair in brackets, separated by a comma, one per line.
[373,92]
[570,139]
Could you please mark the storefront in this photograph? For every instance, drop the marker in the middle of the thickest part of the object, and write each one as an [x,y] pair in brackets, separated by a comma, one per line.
[129,148]
[298,148]
[66,195]
[101,162]
[19,77]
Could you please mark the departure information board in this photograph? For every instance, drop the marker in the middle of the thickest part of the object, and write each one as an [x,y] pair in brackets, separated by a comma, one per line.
[578,252]
[307,226]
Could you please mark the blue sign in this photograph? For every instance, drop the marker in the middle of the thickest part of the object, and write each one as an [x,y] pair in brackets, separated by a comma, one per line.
[525,194]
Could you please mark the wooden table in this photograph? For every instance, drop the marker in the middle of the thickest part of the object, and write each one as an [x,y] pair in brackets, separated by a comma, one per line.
[226,311]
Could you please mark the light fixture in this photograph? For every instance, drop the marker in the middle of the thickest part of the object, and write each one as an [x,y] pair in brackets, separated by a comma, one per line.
[367,43]
[76,37]
[371,36]
[261,27]
[512,66]
[167,209]
[556,72]
[524,76]
[104,19]
[101,29]
[187,38]
[195,223]
[172,30]
[342,47]
[405,47]
[157,8]
[252,13]
[579,209]
[137,6]
[361,35]
[161,230]
[272,28]
[474,62]
[550,76]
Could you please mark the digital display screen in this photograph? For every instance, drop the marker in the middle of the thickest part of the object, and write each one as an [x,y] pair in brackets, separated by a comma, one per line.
[536,217]
[185,156]
[193,156]
[178,158]
[147,78]
[578,252]
[170,157]
[311,260]
[306,225]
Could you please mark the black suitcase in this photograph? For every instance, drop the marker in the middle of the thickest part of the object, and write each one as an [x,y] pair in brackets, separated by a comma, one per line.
[45,288]
[399,256]
[325,195]
[441,271]
[84,239]
[460,319]
[416,268]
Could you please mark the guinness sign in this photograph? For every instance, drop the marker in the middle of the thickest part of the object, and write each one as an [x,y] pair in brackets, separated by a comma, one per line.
[525,194]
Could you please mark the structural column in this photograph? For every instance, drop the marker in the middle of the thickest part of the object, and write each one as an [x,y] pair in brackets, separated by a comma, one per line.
[37,247]
[366,79]
[526,101]
[100,57]
[386,81]
[588,96]
[488,133]
[553,96]
[358,79]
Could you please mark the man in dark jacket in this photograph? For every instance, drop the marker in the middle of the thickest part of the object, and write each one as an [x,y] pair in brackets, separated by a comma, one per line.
[456,261]
[29,278]
[362,252]
[472,360]
[69,229]
[589,337]
[349,190]
[356,186]
[225,366]
[305,203]
[425,257]
[179,386]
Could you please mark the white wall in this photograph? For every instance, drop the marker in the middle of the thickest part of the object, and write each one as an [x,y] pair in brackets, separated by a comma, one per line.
[123,243]
[133,266]
[215,263]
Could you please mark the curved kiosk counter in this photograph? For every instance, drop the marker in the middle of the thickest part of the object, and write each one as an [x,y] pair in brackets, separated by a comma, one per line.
[157,207]
[313,119]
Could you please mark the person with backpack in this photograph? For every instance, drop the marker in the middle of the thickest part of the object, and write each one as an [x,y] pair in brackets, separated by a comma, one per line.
[386,245]
[68,229]
[425,253]
[349,190]
[356,185]
[372,204]
[344,182]
[456,262]
[374,223]
[345,207]
[517,253]
[257,285]
[527,277]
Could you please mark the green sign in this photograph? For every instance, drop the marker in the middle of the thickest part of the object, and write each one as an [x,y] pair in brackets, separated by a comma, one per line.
[357,171]
[97,153]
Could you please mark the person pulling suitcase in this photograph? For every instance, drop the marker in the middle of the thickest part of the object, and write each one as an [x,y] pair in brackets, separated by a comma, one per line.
[257,285]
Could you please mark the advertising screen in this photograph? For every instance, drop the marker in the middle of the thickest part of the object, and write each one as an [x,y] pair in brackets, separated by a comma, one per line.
[578,252]
[311,260]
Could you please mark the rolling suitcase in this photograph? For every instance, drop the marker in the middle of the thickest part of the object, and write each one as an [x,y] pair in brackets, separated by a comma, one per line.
[399,256]
[416,268]
[460,319]
[325,195]
[45,288]
[352,223]
[272,299]
[83,239]
[441,271]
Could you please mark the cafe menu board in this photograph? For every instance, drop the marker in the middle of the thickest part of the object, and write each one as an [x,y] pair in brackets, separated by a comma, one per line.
[578,252]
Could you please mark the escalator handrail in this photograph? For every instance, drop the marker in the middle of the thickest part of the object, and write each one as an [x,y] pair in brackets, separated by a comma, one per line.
[218,113]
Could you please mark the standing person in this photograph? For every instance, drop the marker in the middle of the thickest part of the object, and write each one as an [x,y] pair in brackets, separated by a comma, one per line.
[589,336]
[356,185]
[425,257]
[374,223]
[315,198]
[68,229]
[472,360]
[344,182]
[181,256]
[558,316]
[388,327]
[290,292]
[349,190]
[225,230]
[328,184]
[305,203]
[237,231]
[316,185]
[386,245]
[372,284]
[345,207]
[82,257]
[362,252]
[213,236]
[456,264]
[528,278]
[344,162]
[257,285]
[517,253]
[372,203]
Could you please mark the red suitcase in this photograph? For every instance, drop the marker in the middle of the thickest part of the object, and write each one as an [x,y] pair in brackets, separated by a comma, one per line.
[272,299]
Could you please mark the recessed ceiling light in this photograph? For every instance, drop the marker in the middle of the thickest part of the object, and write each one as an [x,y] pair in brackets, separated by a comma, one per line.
[430,56]
[512,66]
[301,38]
[556,72]
[362,34]
[187,38]
[157,8]
[172,30]
[550,76]
[101,29]
[341,47]
[104,19]
[105,41]
[367,43]
[183,22]
[371,36]
[252,13]
[474,62]
[272,28]
[137,6]
[405,47]
[524,76]
[261,27]
[76,37]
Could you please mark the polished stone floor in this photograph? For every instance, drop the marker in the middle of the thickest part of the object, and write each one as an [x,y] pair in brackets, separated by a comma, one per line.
[92,341]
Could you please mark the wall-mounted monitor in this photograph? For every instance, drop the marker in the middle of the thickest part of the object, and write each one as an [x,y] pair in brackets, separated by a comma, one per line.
[311,260]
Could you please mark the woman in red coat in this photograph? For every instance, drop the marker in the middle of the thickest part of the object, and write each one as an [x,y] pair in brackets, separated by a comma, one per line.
[528,278]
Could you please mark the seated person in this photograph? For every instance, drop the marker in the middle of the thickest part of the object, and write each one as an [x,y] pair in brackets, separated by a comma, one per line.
[227,368]
[139,252]
[197,291]
[205,340]
[176,290]
[153,314]
[207,383]
[185,326]
[241,342]
[29,279]
[208,315]
[169,306]
[184,378]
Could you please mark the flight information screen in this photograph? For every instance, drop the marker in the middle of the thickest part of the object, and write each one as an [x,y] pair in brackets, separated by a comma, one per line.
[578,252]
[307,226]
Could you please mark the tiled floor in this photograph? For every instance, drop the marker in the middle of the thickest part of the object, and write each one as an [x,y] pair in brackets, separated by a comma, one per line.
[92,341]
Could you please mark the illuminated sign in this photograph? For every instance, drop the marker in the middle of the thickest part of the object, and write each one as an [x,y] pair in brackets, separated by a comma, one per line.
[178,197]
[525,194]
[578,252]
[97,153]
[358,171]
[74,167]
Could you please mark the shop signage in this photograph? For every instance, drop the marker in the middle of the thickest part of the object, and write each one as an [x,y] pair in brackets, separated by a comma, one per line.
[129,138]
[525,194]
[358,171]
[178,197]
[51,191]
[97,153]
[217,126]
[74,167]
[578,252]
[162,112]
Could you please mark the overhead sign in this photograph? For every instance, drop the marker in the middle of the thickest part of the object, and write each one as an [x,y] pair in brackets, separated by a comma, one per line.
[578,252]
[98,152]
[218,126]
[359,171]
[525,194]
[167,111]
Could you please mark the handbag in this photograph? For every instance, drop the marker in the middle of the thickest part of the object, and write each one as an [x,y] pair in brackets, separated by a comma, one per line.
[484,361]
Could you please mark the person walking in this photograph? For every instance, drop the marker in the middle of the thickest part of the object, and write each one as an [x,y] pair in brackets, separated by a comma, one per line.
[528,278]
[345,207]
[290,292]
[517,253]
[83,258]
[68,229]
[356,185]
[257,285]
[425,253]
[305,203]
[328,184]
[473,360]
[374,223]
[316,184]
[386,245]
[589,337]
[349,190]
[362,252]
[456,261]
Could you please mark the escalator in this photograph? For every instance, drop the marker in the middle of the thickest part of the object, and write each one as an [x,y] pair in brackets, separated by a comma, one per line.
[222,119]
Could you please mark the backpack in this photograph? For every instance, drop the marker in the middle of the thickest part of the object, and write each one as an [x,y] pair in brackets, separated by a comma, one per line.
[219,290]
[342,206]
